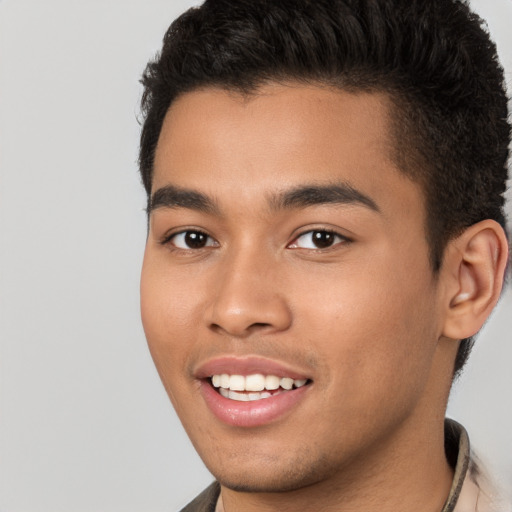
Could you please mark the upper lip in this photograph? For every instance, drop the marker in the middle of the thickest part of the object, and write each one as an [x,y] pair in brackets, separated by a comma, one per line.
[247,366]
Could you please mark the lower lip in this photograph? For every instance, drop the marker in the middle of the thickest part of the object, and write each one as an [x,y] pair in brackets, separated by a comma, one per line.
[251,414]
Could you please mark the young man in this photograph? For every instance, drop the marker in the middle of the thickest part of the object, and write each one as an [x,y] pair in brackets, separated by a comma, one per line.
[326,235]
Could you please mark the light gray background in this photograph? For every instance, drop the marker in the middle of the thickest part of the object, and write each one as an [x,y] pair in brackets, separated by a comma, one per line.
[84,422]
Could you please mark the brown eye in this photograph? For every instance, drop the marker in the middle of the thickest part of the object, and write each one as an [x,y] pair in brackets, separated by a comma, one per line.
[323,239]
[195,240]
[318,239]
[192,240]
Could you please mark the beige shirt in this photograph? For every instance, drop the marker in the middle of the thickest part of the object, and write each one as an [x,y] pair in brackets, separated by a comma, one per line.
[471,491]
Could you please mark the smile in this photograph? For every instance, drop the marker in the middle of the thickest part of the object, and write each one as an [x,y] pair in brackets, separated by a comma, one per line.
[252,391]
[253,387]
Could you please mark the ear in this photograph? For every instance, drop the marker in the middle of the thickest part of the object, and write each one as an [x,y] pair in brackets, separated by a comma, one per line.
[473,270]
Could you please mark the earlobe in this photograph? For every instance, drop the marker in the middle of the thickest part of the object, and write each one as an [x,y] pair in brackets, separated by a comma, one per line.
[476,262]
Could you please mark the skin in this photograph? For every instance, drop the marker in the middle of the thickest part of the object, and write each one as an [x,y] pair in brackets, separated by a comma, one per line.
[364,318]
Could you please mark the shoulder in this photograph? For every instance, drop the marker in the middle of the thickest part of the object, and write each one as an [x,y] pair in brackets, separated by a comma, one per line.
[473,490]
[479,492]
[480,489]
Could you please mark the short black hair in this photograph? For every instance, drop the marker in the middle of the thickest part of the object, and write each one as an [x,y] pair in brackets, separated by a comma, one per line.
[434,58]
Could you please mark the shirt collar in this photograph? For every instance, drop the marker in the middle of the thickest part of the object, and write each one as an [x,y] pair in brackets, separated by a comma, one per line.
[458,453]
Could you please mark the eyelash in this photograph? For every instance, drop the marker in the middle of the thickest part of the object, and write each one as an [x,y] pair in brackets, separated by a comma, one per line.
[168,239]
[342,240]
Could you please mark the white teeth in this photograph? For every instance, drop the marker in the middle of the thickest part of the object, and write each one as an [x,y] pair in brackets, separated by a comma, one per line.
[298,383]
[286,383]
[241,397]
[271,382]
[255,383]
[237,383]
[224,381]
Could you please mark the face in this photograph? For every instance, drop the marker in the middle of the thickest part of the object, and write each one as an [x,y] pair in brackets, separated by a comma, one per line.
[287,296]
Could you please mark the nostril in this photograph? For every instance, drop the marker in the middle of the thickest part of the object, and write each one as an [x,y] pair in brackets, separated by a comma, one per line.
[240,330]
[246,313]
[259,325]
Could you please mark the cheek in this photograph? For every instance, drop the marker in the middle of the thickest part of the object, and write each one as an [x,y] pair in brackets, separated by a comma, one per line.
[166,317]
[376,321]
[165,326]
[170,297]
[377,351]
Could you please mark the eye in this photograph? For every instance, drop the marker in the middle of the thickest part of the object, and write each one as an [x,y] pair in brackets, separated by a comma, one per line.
[317,239]
[191,240]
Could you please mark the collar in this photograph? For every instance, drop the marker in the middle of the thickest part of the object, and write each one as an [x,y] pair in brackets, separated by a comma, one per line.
[457,449]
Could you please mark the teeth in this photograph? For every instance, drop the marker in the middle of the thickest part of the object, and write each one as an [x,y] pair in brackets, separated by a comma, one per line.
[224,381]
[256,382]
[230,384]
[237,383]
[286,383]
[243,397]
[271,382]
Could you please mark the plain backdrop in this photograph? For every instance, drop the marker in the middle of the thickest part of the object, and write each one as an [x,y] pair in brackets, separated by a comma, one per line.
[85,424]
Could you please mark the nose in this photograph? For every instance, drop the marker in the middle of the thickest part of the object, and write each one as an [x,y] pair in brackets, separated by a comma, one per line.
[249,297]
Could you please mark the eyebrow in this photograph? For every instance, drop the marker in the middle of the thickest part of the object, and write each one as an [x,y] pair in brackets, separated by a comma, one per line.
[171,196]
[311,195]
[302,196]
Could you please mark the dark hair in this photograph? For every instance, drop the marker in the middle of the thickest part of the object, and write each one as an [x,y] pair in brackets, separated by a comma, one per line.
[433,58]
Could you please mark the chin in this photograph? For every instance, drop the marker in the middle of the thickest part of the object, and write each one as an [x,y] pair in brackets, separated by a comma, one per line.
[268,484]
[272,476]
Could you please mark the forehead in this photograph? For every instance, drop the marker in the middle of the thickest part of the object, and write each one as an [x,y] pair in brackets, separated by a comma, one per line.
[274,117]
[220,142]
